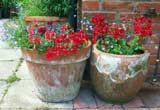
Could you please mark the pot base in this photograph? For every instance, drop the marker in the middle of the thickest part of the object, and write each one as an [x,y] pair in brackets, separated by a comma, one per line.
[112,101]
[69,98]
[57,83]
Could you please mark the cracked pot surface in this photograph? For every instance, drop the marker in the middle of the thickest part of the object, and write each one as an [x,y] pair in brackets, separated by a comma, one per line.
[117,78]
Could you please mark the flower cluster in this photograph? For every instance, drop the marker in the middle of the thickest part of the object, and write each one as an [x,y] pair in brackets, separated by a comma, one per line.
[120,38]
[56,40]
[100,27]
[142,27]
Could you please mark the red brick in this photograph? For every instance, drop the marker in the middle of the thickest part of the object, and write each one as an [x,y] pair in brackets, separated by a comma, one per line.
[145,6]
[109,16]
[153,49]
[117,6]
[127,16]
[90,5]
[85,100]
[136,103]
[104,105]
[137,109]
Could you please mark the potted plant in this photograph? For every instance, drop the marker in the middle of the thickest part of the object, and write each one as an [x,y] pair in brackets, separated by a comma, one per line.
[44,11]
[56,58]
[119,62]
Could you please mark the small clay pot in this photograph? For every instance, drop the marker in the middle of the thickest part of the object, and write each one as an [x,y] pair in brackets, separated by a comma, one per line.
[117,78]
[57,80]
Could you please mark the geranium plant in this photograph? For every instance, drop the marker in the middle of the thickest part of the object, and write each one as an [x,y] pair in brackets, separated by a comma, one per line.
[52,39]
[124,38]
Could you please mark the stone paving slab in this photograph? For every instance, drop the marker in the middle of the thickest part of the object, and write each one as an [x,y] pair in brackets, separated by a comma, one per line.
[9,54]
[135,103]
[102,109]
[103,105]
[154,109]
[22,95]
[7,68]
[137,109]
[4,45]
[23,72]
[2,29]
[3,86]
[85,99]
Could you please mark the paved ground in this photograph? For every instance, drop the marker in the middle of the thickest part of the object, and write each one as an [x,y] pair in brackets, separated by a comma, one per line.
[18,94]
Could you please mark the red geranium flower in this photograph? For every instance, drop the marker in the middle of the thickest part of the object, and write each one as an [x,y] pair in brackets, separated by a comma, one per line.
[98,18]
[50,54]
[31,31]
[38,40]
[42,29]
[143,27]
[30,39]
[50,22]
[119,38]
[57,41]
[49,35]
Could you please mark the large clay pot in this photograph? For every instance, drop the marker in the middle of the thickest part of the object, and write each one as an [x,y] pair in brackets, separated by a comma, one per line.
[42,20]
[117,78]
[57,80]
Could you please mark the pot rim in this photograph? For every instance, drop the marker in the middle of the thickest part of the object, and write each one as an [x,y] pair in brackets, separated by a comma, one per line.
[44,18]
[89,44]
[116,55]
[81,55]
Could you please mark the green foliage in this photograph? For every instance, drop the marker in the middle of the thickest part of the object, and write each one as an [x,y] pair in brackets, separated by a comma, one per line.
[120,46]
[12,78]
[44,45]
[59,8]
[8,3]
[5,3]
[18,36]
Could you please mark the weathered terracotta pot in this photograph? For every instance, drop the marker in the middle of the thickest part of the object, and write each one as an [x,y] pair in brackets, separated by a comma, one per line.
[117,78]
[57,80]
[43,19]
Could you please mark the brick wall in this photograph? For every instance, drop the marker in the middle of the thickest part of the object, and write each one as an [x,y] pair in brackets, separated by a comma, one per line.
[109,9]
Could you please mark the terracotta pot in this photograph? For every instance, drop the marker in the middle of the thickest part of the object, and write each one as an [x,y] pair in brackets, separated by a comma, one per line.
[57,80]
[117,78]
[43,19]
